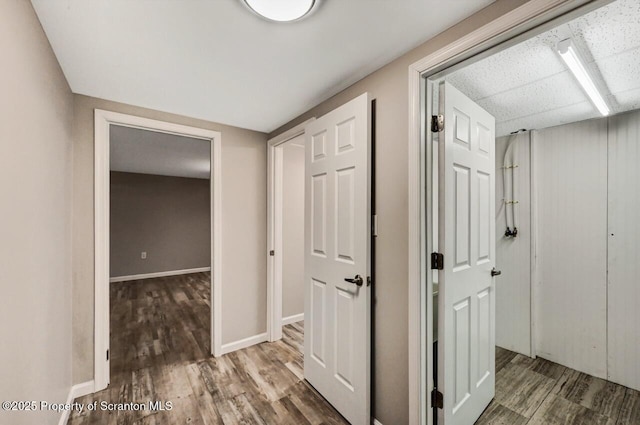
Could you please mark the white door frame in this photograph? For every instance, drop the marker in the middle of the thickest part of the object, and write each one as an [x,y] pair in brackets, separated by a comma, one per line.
[274,229]
[510,27]
[103,121]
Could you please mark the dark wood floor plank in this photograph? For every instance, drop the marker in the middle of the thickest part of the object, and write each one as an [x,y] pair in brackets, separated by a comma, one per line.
[540,365]
[522,390]
[551,394]
[630,410]
[558,411]
[503,357]
[160,345]
[593,393]
[497,414]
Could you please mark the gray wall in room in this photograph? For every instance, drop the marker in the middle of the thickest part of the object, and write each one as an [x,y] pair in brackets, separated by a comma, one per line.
[35,206]
[167,217]
[293,228]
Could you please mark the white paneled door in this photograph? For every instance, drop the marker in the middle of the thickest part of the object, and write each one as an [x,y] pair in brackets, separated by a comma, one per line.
[337,330]
[466,322]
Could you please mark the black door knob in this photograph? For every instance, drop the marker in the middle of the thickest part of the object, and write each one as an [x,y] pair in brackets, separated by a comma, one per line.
[495,272]
[356,280]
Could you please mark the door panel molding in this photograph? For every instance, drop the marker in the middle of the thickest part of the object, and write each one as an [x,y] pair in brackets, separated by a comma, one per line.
[337,354]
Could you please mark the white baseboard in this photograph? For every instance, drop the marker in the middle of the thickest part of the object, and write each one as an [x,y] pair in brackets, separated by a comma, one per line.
[158,274]
[244,343]
[376,422]
[76,391]
[292,319]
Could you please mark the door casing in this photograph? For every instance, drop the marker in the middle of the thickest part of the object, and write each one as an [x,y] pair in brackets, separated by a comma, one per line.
[523,22]
[103,121]
[274,230]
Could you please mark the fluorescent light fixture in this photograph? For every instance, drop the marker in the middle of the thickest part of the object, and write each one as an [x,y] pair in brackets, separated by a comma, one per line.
[569,54]
[281,10]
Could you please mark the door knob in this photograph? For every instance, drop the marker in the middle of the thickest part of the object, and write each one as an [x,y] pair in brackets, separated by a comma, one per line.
[495,272]
[356,280]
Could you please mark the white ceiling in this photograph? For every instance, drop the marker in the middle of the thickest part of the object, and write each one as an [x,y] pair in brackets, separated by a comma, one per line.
[148,152]
[528,86]
[216,60]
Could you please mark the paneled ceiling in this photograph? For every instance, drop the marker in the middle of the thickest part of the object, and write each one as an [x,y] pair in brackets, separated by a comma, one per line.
[528,85]
[215,60]
[134,150]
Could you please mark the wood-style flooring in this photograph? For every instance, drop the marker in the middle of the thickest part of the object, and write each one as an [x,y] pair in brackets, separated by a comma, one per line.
[539,392]
[160,352]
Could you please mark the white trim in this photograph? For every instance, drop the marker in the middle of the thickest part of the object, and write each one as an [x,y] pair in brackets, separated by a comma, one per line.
[274,229]
[78,390]
[103,121]
[376,422]
[244,343]
[292,319]
[421,339]
[533,187]
[82,389]
[157,274]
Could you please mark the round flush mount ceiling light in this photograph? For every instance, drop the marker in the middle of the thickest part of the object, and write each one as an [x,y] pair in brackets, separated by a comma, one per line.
[282,10]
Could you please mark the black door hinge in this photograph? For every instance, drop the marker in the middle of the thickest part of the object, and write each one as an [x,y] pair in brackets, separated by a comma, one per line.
[437,123]
[437,261]
[107,354]
[272,253]
[437,399]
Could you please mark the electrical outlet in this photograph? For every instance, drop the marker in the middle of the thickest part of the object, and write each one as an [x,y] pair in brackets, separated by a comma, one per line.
[143,255]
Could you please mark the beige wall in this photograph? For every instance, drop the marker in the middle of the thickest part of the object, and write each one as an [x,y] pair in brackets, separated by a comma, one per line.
[244,172]
[389,85]
[166,217]
[35,206]
[293,227]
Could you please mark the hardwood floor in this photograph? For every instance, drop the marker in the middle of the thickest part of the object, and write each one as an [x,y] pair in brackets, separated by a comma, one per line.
[159,352]
[539,392]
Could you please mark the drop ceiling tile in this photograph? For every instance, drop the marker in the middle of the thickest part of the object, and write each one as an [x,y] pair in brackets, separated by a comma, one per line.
[609,30]
[551,93]
[566,114]
[627,100]
[621,72]
[507,70]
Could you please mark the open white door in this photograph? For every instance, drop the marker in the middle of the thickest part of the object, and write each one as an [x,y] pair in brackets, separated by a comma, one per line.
[466,322]
[337,332]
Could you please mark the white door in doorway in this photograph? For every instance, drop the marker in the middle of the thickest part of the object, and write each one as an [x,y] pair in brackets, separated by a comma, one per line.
[337,332]
[466,322]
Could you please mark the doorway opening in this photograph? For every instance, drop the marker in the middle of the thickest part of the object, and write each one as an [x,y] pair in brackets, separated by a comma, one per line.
[286,167]
[160,251]
[562,163]
[146,173]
